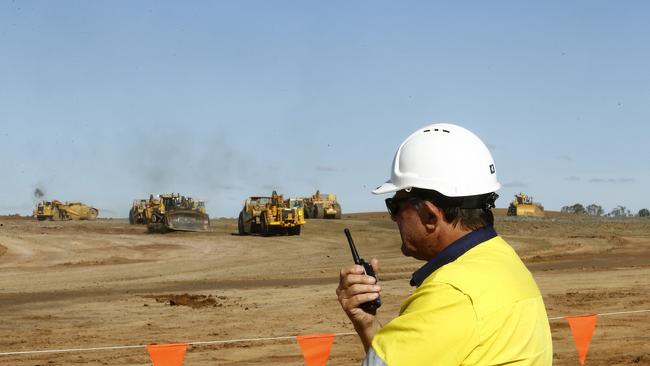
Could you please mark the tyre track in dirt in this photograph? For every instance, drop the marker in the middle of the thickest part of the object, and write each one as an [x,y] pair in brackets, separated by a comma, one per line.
[593,263]
[22,298]
[590,262]
[15,252]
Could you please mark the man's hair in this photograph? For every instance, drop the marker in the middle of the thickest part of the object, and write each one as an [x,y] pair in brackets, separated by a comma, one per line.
[454,213]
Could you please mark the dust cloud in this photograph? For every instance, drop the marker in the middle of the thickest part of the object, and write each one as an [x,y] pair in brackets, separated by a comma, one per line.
[207,168]
[39,193]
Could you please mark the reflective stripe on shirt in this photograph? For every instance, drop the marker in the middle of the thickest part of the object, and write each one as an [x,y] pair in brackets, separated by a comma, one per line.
[372,359]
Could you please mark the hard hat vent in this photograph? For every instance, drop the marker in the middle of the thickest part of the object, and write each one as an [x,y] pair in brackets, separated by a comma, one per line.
[436,130]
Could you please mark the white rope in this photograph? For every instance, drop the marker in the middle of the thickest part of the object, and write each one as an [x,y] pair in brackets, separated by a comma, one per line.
[606,314]
[144,345]
[233,340]
[257,339]
[69,350]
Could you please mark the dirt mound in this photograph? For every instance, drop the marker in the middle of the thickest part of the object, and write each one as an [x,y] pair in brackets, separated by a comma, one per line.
[193,301]
[103,262]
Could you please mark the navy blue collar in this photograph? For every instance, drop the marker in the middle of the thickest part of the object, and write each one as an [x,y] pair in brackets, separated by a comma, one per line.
[452,252]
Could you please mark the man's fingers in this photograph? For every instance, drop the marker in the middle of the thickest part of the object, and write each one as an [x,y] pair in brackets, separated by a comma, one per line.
[356,288]
[362,289]
[357,300]
[355,268]
[351,280]
[355,292]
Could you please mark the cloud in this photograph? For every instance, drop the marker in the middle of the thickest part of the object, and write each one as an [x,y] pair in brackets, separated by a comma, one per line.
[597,180]
[325,168]
[515,184]
[612,180]
[227,187]
[626,180]
[572,178]
[565,157]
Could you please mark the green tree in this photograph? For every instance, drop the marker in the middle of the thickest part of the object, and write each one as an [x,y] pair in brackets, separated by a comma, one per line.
[643,212]
[595,210]
[619,211]
[576,208]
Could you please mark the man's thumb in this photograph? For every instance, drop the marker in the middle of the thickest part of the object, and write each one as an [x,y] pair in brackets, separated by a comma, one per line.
[375,264]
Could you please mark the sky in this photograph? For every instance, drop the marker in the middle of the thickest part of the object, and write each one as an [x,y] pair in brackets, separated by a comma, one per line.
[108,101]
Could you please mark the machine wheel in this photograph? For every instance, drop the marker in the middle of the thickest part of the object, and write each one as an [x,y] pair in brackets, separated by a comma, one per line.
[512,210]
[93,214]
[319,212]
[56,215]
[264,226]
[131,217]
[337,207]
[307,212]
[240,224]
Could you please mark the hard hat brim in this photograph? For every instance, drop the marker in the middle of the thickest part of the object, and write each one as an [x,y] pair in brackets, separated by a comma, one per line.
[387,187]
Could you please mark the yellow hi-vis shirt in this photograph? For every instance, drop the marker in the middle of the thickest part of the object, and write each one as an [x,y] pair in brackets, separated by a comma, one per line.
[483,308]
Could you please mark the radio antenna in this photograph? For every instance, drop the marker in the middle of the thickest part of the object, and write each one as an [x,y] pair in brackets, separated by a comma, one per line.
[355,254]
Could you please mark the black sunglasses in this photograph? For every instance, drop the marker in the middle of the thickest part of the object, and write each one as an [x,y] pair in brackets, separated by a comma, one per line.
[393,204]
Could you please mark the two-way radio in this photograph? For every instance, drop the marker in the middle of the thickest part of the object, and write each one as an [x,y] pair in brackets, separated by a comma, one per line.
[372,305]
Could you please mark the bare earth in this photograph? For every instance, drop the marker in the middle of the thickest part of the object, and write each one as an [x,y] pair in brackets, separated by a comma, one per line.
[106,283]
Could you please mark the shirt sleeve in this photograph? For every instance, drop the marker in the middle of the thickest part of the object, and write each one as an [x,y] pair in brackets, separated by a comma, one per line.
[437,326]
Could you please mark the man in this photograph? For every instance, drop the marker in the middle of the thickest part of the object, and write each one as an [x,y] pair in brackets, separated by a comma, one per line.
[474,303]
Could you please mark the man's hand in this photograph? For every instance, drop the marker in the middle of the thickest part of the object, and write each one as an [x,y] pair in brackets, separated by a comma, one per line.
[356,288]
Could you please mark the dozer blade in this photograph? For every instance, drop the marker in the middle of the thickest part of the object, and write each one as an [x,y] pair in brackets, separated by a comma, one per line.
[187,220]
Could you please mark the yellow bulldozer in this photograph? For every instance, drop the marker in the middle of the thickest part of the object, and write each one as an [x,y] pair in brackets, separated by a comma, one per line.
[57,210]
[523,205]
[322,206]
[271,215]
[173,212]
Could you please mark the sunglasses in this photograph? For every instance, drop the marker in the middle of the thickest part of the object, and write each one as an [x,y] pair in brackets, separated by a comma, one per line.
[393,204]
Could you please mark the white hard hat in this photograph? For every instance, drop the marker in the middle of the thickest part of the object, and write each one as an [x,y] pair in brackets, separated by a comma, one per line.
[443,157]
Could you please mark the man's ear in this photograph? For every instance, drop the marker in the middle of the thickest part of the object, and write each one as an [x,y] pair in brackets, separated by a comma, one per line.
[431,215]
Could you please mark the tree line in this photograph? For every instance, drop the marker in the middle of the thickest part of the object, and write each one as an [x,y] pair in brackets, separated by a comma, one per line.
[597,210]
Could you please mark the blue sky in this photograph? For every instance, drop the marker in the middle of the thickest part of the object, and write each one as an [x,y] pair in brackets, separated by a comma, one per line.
[105,102]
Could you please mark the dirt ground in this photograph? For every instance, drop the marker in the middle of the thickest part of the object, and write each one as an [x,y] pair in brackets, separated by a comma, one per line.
[107,283]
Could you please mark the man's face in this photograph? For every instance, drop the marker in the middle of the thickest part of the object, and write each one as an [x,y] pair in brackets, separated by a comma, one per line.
[411,227]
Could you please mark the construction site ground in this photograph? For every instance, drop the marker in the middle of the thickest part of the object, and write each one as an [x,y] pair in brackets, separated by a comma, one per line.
[72,285]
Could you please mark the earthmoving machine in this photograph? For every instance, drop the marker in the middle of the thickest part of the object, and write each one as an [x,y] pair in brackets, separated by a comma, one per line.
[171,211]
[199,206]
[57,210]
[271,215]
[523,205]
[47,210]
[322,206]
[138,212]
